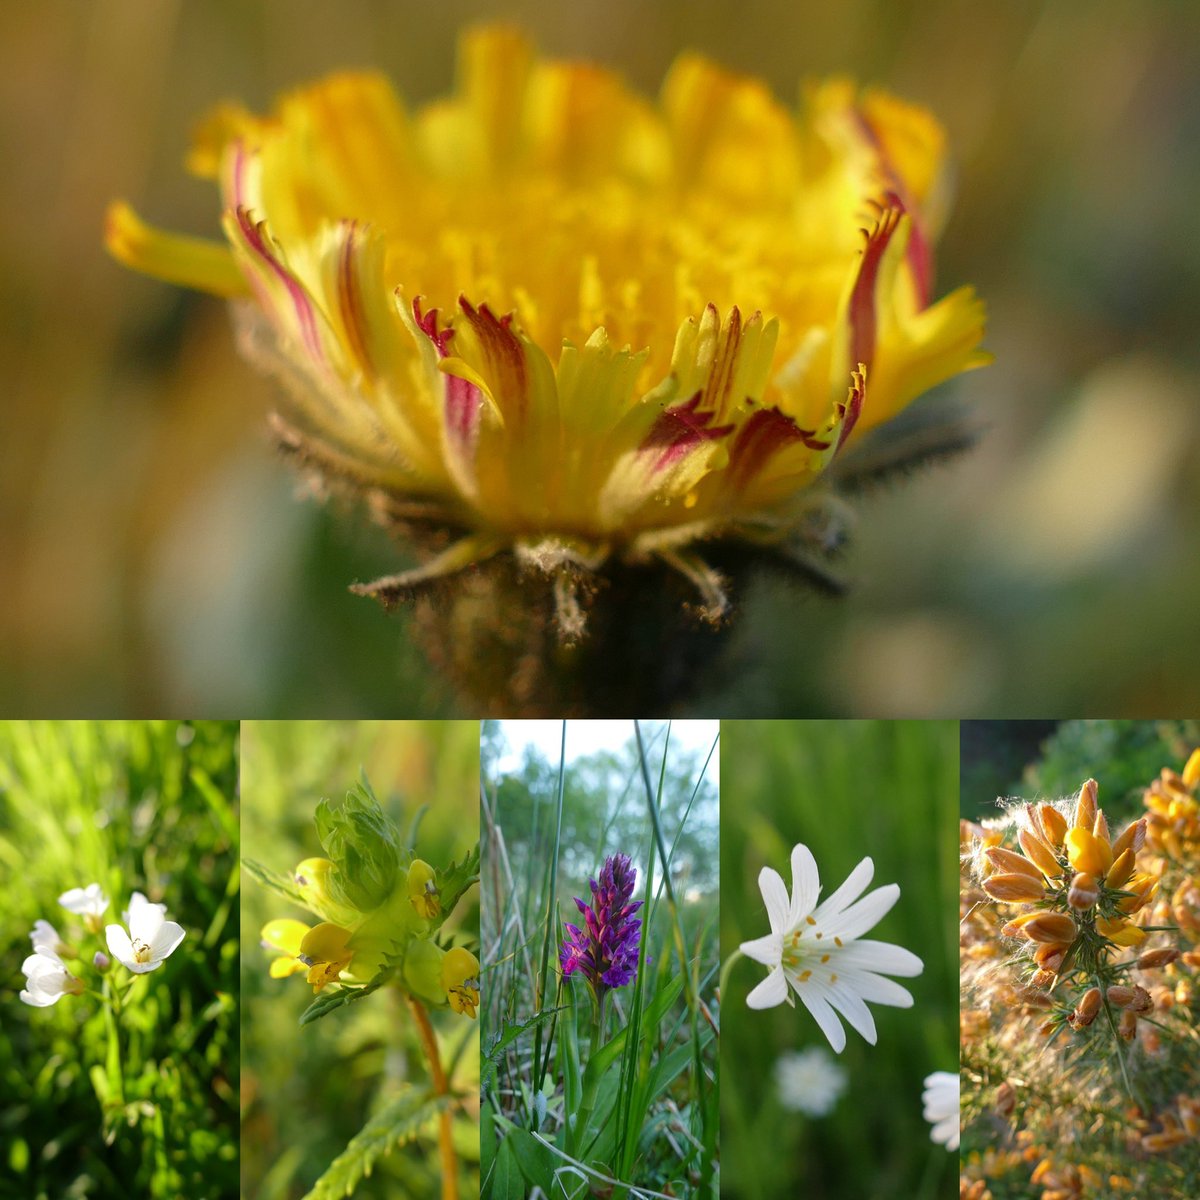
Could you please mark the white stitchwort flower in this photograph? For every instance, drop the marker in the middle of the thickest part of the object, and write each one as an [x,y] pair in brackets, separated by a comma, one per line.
[47,979]
[90,903]
[46,938]
[150,939]
[809,1081]
[941,1097]
[815,949]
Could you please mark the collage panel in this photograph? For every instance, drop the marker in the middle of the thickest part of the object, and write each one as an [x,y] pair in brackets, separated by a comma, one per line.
[600,959]
[839,998]
[1080,958]
[360,980]
[119,1054]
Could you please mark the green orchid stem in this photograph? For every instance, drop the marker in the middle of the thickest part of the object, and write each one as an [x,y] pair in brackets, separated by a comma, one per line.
[726,967]
[441,1087]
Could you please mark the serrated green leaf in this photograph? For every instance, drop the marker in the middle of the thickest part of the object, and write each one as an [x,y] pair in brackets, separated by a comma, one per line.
[455,879]
[336,998]
[281,885]
[404,1119]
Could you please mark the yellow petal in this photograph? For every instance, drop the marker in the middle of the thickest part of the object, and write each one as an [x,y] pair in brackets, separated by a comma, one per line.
[172,257]
[325,942]
[1088,852]
[285,935]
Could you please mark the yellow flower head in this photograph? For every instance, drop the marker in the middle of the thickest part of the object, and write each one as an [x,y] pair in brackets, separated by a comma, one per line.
[322,952]
[422,890]
[460,980]
[570,320]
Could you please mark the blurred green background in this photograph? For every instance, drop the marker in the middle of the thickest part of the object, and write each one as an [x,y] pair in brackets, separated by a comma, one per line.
[847,790]
[133,806]
[1049,759]
[307,1091]
[156,557]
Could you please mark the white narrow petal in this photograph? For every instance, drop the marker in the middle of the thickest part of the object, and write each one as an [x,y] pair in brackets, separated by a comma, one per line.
[767,950]
[119,944]
[771,992]
[166,939]
[806,884]
[45,936]
[864,915]
[822,1013]
[75,900]
[882,957]
[846,1001]
[875,989]
[853,887]
[42,962]
[775,897]
[946,1132]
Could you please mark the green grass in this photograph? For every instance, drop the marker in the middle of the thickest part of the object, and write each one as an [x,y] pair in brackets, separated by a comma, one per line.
[569,1105]
[310,1090]
[147,806]
[847,789]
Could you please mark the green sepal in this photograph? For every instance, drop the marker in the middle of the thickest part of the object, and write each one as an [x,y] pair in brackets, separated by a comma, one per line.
[364,846]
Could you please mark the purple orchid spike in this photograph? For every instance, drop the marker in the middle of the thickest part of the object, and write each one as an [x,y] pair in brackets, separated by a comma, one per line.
[606,949]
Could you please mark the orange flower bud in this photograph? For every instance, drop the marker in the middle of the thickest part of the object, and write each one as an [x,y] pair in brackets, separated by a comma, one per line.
[1120,995]
[1053,824]
[1051,927]
[1039,853]
[1017,864]
[1157,958]
[1014,888]
[1100,826]
[1085,806]
[1085,891]
[1119,873]
[1132,838]
[1191,772]
[1128,1025]
[1087,1008]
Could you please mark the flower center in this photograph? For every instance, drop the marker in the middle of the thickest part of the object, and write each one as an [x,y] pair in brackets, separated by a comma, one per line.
[806,949]
[141,951]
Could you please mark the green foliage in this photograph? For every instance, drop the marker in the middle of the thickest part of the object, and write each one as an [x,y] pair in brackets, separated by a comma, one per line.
[847,789]
[411,1114]
[571,1104]
[147,1105]
[312,1090]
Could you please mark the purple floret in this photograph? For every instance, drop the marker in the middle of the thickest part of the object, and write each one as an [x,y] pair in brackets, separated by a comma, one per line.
[605,950]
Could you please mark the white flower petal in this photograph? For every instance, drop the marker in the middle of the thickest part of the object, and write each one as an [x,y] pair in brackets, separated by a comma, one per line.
[141,968]
[775,897]
[822,1013]
[166,939]
[766,950]
[806,884]
[864,915]
[119,945]
[145,920]
[40,999]
[771,992]
[882,957]
[877,990]
[847,1002]
[850,890]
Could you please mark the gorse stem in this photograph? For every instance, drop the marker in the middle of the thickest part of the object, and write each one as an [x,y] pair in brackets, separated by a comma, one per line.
[441,1087]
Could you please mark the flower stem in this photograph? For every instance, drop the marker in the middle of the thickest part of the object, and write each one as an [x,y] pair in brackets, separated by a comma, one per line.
[441,1087]
[726,967]
[113,1064]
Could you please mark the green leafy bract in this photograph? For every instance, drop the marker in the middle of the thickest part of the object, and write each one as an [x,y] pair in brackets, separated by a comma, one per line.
[364,845]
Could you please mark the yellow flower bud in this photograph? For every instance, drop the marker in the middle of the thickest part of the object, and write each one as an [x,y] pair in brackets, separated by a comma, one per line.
[1040,853]
[1014,888]
[1051,927]
[1017,864]
[1132,838]
[1085,891]
[1085,806]
[1121,933]
[1191,772]
[1087,1008]
[312,879]
[1121,870]
[1053,823]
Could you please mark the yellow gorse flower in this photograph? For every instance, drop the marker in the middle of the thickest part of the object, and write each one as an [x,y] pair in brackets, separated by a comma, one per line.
[571,321]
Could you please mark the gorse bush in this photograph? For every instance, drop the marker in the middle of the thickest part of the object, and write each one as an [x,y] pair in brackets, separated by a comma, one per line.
[120,1070]
[1081,1004]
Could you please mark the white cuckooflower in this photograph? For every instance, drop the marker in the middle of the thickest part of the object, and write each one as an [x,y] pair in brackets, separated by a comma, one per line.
[809,1081]
[150,939]
[47,979]
[46,938]
[816,949]
[941,1098]
[90,903]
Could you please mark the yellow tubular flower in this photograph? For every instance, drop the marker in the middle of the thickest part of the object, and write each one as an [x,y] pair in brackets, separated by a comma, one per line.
[422,890]
[1088,852]
[571,321]
[322,952]
[1191,771]
[460,980]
